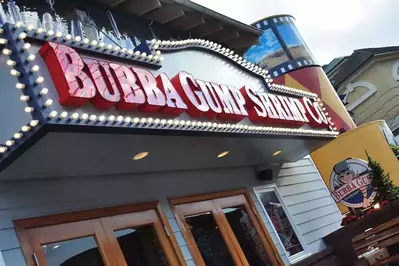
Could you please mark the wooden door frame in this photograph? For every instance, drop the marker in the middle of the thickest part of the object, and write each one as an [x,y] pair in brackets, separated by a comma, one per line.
[216,195]
[23,226]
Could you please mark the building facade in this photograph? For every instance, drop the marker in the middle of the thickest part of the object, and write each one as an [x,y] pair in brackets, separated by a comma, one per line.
[367,81]
[141,136]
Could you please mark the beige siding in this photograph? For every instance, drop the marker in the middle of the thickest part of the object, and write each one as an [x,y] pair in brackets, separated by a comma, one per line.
[384,104]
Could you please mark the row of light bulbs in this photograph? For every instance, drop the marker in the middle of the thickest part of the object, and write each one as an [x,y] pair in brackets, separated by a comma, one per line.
[162,123]
[156,57]
[170,45]
[25,98]
[185,124]
[91,44]
[289,90]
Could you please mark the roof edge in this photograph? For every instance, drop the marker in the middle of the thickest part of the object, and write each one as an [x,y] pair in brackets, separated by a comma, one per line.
[209,12]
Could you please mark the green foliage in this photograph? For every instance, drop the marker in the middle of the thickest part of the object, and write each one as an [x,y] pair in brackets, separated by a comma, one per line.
[395,149]
[383,185]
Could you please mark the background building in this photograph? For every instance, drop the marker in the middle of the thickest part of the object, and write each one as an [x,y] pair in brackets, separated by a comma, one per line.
[368,83]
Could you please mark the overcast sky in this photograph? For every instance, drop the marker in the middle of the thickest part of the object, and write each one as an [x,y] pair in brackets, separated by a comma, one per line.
[331,28]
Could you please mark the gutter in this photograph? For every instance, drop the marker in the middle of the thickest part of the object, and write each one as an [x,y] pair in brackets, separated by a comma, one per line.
[203,10]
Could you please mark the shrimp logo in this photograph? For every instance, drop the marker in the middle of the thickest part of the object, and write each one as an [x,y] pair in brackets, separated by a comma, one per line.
[350,183]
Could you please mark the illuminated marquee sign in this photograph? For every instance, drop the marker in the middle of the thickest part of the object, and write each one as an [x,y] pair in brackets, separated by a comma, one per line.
[80,80]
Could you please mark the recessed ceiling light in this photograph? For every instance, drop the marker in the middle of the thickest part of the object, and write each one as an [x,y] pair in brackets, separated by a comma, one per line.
[56,246]
[140,155]
[277,153]
[220,155]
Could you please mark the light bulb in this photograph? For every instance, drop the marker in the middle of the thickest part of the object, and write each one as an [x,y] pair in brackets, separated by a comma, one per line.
[43,91]
[48,103]
[34,123]
[111,118]
[7,51]
[18,135]
[49,33]
[84,116]
[20,86]
[11,62]
[39,31]
[24,98]
[63,115]
[22,35]
[31,57]
[15,72]
[39,80]
[25,128]
[53,114]
[26,46]
[35,68]
[18,25]
[75,116]
[9,143]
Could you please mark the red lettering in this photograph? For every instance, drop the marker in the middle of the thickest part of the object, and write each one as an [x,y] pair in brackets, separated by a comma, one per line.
[277,105]
[230,107]
[314,113]
[256,110]
[155,98]
[360,182]
[335,196]
[107,91]
[344,190]
[174,103]
[271,111]
[105,84]
[210,95]
[133,95]
[293,108]
[65,65]
[191,93]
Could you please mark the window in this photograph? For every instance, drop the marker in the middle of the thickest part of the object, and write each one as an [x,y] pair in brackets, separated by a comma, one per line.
[283,226]
[92,238]
[223,230]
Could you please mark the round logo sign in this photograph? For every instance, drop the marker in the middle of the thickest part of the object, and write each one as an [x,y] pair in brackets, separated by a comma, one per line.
[350,183]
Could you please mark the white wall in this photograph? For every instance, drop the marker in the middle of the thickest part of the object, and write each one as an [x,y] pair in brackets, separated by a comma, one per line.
[1,260]
[303,191]
[308,201]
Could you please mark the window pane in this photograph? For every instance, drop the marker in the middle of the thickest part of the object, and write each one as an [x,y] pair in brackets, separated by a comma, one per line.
[140,246]
[281,223]
[247,236]
[76,252]
[209,240]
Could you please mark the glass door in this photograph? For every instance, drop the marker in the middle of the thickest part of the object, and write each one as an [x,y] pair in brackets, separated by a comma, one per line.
[123,239]
[225,231]
[71,244]
[139,239]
